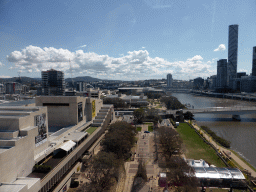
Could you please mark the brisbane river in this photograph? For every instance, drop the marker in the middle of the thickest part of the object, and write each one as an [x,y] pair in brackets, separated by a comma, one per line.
[241,134]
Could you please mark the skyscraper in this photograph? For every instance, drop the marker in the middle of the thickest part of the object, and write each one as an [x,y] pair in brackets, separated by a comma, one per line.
[254,61]
[232,54]
[53,82]
[169,80]
[221,81]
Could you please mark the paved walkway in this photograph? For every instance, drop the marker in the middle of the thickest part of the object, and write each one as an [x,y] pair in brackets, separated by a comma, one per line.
[144,151]
[233,156]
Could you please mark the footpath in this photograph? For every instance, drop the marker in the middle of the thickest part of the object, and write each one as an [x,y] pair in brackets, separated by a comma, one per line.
[144,151]
[231,154]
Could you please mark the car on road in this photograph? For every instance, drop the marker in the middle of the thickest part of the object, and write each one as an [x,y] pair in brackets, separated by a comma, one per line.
[146,132]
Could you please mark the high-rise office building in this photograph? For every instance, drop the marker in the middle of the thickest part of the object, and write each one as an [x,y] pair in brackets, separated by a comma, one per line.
[254,61]
[13,88]
[221,81]
[169,80]
[80,86]
[232,54]
[53,82]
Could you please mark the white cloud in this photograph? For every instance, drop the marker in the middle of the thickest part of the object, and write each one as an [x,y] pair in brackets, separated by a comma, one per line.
[4,76]
[243,70]
[133,65]
[1,64]
[83,46]
[143,47]
[221,47]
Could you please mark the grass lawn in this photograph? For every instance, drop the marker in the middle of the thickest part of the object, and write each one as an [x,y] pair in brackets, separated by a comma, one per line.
[148,123]
[196,148]
[91,130]
[150,128]
[138,128]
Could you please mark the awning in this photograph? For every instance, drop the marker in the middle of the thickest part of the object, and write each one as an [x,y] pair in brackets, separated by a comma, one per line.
[67,145]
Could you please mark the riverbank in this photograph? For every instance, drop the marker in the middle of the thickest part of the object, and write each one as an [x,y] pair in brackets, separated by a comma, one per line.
[196,148]
[235,96]
[235,157]
[241,134]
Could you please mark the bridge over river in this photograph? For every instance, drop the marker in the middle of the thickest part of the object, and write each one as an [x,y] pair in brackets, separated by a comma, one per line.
[234,111]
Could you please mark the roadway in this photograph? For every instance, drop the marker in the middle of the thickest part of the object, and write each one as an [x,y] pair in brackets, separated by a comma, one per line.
[238,110]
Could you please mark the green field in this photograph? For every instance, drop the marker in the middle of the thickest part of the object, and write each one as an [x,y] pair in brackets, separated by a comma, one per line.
[138,128]
[91,130]
[148,123]
[150,128]
[196,148]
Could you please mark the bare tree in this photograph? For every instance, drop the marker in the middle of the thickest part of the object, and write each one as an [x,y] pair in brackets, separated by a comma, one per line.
[170,141]
[102,172]
[179,173]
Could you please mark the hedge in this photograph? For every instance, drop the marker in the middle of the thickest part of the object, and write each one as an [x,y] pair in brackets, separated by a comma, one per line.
[173,123]
[218,139]
[42,168]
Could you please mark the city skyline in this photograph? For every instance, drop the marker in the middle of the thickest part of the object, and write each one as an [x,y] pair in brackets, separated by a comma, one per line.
[133,40]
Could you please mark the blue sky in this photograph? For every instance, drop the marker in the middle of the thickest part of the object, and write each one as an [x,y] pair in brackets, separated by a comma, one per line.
[126,40]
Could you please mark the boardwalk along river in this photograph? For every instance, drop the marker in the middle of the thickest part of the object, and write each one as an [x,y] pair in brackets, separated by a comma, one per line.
[241,134]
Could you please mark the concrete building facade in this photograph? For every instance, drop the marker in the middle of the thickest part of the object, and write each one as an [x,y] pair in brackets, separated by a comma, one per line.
[23,134]
[67,111]
[232,54]
[81,86]
[25,140]
[13,88]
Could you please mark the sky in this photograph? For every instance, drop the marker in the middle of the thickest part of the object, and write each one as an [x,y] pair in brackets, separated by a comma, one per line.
[123,40]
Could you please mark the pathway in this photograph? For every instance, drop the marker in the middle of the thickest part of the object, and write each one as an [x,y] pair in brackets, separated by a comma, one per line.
[144,150]
[233,156]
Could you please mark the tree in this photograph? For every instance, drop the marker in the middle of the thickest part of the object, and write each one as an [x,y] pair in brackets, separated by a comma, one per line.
[179,173]
[188,115]
[170,141]
[172,102]
[153,95]
[102,172]
[152,115]
[119,139]
[139,115]
[117,102]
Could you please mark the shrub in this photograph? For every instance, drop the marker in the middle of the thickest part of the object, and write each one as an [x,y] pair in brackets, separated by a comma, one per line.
[231,164]
[218,139]
[74,184]
[42,168]
[173,123]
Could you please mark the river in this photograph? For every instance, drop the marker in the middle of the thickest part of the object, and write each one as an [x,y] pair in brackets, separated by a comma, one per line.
[241,134]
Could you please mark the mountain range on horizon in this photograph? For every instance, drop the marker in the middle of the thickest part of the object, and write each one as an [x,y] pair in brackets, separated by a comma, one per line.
[25,79]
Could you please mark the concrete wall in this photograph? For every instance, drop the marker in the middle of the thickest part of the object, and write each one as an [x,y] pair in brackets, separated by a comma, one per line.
[10,123]
[88,107]
[60,115]
[18,160]
[67,180]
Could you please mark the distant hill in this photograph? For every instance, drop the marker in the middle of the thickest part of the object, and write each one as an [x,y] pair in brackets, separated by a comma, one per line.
[38,80]
[20,79]
[84,78]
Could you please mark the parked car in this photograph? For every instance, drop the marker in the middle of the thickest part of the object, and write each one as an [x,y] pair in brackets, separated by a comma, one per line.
[146,132]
